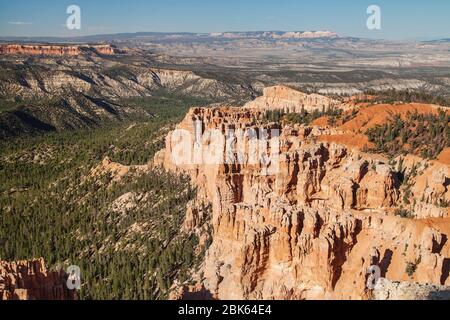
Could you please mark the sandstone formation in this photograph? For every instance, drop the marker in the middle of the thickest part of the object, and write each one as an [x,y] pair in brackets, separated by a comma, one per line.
[388,290]
[30,280]
[40,49]
[195,292]
[290,100]
[56,50]
[307,222]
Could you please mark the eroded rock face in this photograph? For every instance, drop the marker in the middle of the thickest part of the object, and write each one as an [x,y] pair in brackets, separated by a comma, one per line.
[306,224]
[388,290]
[56,50]
[30,280]
[290,100]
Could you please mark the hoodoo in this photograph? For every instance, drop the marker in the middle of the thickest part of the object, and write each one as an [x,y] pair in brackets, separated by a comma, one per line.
[311,228]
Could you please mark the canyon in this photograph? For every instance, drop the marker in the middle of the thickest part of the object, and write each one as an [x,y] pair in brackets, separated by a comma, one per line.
[308,223]
[276,174]
[287,210]
[44,93]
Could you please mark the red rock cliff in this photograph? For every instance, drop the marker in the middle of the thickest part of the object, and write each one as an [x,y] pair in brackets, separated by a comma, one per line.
[55,50]
[30,280]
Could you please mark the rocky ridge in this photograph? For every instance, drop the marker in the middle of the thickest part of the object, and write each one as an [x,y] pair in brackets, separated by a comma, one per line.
[56,50]
[290,101]
[65,93]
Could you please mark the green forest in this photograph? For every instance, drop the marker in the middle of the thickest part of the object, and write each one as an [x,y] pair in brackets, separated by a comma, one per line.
[302,117]
[51,207]
[406,96]
[425,135]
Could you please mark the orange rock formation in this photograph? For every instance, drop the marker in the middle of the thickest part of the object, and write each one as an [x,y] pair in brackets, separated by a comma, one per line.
[30,280]
[290,100]
[308,224]
[56,50]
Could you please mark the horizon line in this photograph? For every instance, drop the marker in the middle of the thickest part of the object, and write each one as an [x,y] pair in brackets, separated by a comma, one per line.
[338,35]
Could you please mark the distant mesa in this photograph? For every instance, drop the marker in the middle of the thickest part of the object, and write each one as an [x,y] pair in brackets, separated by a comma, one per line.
[172,36]
[306,35]
[276,35]
[58,50]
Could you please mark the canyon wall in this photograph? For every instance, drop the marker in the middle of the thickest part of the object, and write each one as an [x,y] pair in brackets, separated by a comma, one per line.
[310,221]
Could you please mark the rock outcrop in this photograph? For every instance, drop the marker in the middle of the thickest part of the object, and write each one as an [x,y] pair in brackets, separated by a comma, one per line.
[290,100]
[388,290]
[56,50]
[30,280]
[300,223]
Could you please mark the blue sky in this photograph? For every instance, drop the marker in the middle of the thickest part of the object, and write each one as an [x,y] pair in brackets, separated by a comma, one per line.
[401,19]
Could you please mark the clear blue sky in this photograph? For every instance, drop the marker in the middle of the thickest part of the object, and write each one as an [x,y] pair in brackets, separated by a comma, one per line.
[401,19]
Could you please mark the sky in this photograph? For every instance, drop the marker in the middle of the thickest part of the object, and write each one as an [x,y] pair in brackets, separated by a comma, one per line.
[400,19]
